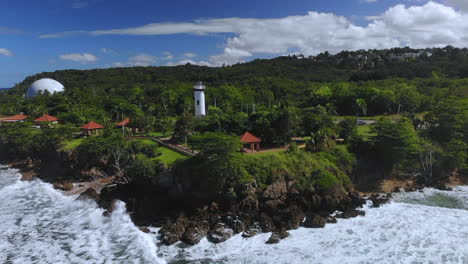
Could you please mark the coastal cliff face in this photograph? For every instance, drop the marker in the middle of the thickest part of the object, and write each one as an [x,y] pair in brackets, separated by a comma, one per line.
[279,207]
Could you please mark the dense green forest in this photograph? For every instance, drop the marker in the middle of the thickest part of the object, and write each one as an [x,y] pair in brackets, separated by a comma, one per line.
[419,99]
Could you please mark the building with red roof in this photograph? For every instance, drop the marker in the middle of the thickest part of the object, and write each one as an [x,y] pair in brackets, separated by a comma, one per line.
[251,142]
[14,119]
[92,128]
[124,122]
[46,119]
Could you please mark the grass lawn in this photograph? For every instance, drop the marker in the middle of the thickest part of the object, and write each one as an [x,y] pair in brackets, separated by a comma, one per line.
[365,131]
[156,134]
[72,144]
[168,156]
[267,152]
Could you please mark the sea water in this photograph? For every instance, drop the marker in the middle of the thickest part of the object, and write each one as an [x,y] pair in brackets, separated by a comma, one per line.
[40,225]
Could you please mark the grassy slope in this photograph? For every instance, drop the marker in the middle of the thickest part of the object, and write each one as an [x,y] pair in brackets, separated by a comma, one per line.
[168,156]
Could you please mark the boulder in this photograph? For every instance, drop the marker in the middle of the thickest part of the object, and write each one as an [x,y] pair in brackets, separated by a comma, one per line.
[67,186]
[277,236]
[379,199]
[195,233]
[173,231]
[89,194]
[145,230]
[254,230]
[276,190]
[220,233]
[314,221]
[350,213]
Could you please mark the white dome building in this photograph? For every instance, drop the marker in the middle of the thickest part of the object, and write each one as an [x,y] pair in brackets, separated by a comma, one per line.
[42,85]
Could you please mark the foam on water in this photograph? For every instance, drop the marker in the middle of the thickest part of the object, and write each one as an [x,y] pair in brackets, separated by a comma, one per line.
[403,231]
[40,225]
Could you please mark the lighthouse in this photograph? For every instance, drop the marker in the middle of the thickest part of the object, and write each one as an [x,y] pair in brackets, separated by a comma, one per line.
[199,90]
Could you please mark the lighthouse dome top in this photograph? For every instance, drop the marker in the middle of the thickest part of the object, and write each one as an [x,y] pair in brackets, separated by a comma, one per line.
[42,85]
[199,86]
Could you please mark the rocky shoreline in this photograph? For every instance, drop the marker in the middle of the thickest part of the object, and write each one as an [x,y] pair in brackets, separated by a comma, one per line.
[278,208]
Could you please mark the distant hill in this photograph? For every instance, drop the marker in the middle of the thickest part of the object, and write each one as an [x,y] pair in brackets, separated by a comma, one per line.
[345,66]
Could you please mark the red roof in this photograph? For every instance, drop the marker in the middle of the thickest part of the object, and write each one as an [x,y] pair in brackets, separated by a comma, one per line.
[249,138]
[15,118]
[124,122]
[46,118]
[92,125]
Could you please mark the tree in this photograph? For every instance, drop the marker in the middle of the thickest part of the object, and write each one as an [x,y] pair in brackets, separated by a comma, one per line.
[362,107]
[183,128]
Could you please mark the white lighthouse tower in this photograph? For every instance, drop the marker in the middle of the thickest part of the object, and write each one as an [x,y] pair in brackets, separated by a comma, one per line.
[199,90]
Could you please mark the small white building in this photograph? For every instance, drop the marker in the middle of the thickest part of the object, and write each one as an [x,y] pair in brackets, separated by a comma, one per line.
[199,90]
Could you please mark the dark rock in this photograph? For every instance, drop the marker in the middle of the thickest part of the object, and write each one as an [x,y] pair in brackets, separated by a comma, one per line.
[397,190]
[266,223]
[220,233]
[276,190]
[90,193]
[443,187]
[145,230]
[331,219]
[173,231]
[379,199]
[68,186]
[314,221]
[350,213]
[276,237]
[252,231]
[110,207]
[195,233]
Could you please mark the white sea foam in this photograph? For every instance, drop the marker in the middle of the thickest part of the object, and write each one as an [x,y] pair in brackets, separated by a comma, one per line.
[400,232]
[40,225]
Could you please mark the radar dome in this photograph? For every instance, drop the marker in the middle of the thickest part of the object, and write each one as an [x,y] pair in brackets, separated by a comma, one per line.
[42,85]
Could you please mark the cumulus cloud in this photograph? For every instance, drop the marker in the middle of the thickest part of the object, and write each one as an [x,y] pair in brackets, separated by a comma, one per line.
[426,25]
[190,55]
[167,56]
[5,52]
[79,57]
[462,4]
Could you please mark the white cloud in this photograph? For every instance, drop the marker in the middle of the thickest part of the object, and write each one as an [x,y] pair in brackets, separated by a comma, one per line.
[79,57]
[190,55]
[5,52]
[167,56]
[107,51]
[462,4]
[426,25]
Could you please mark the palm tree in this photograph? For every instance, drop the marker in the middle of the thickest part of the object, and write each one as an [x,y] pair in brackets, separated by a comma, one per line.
[321,140]
[362,107]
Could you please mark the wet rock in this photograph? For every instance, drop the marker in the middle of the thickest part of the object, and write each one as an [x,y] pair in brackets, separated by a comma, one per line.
[443,187]
[252,231]
[195,233]
[277,236]
[350,213]
[331,220]
[110,207]
[397,190]
[173,231]
[145,230]
[67,186]
[90,193]
[379,199]
[314,221]
[220,233]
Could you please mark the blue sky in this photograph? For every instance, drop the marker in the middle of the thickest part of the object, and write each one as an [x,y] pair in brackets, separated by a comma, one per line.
[49,35]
